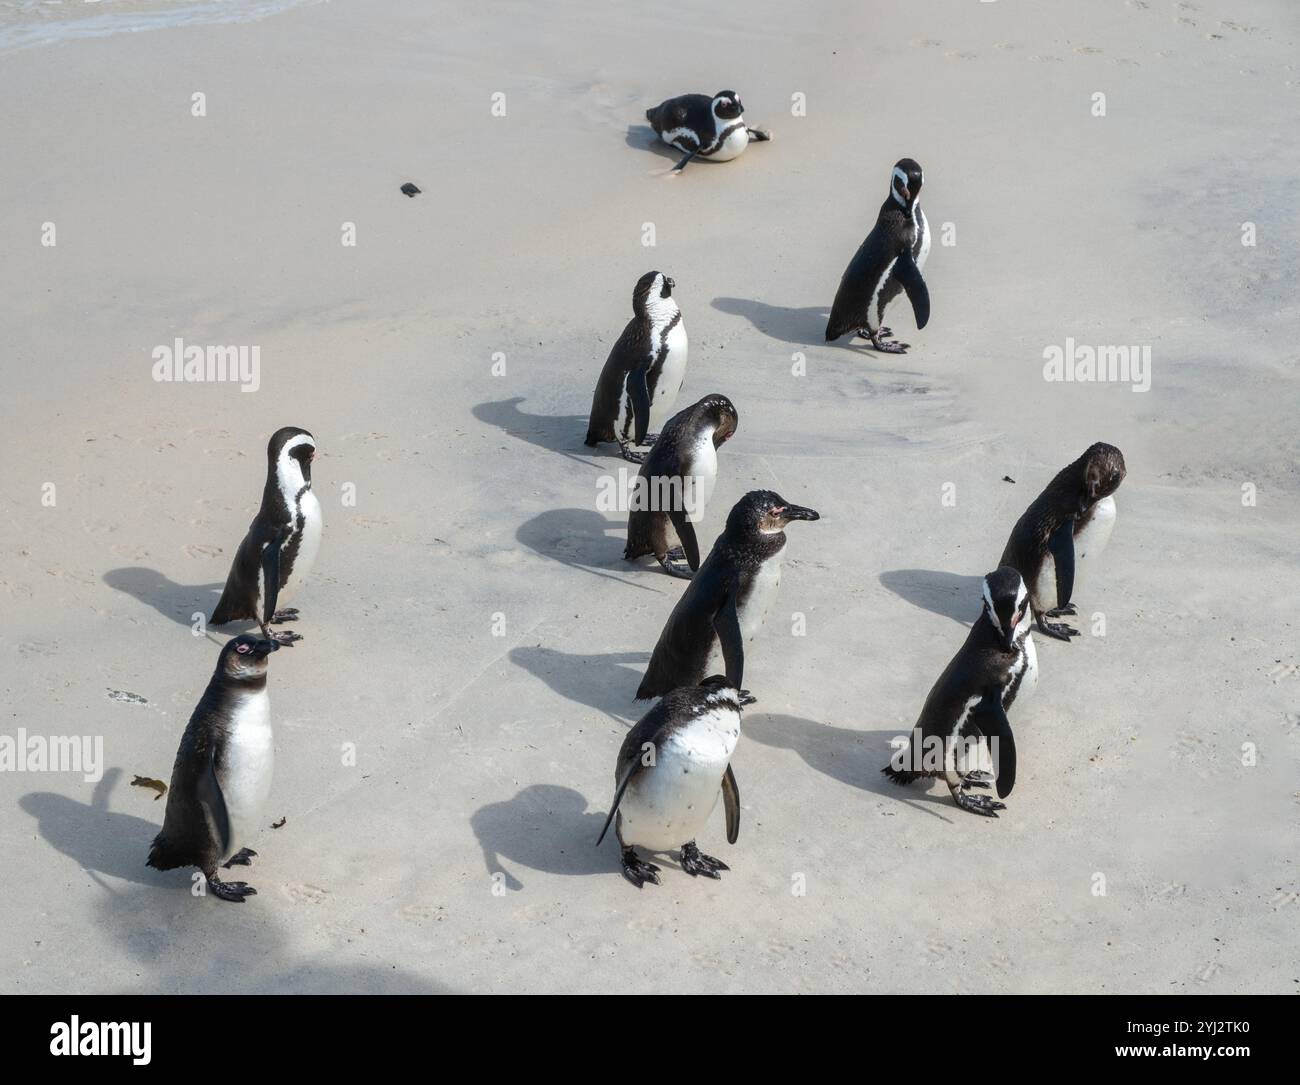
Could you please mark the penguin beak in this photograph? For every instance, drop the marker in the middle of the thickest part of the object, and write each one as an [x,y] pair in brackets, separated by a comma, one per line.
[265,647]
[798,512]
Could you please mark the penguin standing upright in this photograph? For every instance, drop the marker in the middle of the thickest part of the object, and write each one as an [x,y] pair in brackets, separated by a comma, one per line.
[280,547]
[675,483]
[727,600]
[969,703]
[1064,532]
[222,774]
[889,260]
[639,383]
[671,767]
[712,128]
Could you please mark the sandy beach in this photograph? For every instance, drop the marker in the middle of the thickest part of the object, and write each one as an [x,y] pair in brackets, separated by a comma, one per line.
[446,732]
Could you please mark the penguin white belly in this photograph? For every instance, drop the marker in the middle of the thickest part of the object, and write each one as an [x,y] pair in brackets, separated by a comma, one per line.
[1092,540]
[1029,683]
[244,771]
[734,144]
[698,490]
[1044,586]
[671,375]
[670,804]
[307,547]
[753,609]
[923,230]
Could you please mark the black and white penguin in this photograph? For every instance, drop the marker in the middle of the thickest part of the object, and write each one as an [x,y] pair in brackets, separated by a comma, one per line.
[1063,532]
[280,547]
[675,484]
[671,767]
[967,708]
[889,260]
[644,372]
[222,774]
[711,128]
[727,601]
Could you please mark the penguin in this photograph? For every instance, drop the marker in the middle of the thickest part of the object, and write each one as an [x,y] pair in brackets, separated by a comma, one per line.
[1064,532]
[223,770]
[675,483]
[712,128]
[993,669]
[671,767]
[727,600]
[643,374]
[280,547]
[888,261]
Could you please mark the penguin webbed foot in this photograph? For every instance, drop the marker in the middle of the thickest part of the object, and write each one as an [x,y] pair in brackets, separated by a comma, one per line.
[759,135]
[637,870]
[285,637]
[289,614]
[243,857]
[630,454]
[977,804]
[977,778]
[1057,630]
[672,564]
[697,864]
[878,342]
[1060,612]
[232,891]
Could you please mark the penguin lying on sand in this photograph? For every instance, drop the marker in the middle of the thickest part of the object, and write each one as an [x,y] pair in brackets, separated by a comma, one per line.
[675,483]
[711,128]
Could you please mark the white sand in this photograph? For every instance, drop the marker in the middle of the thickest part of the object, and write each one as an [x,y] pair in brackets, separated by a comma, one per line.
[481,755]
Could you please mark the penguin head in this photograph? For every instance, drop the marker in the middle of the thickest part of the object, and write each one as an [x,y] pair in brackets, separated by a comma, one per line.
[719,409]
[762,512]
[1103,471]
[726,105]
[719,689]
[244,657]
[289,453]
[652,289]
[905,183]
[1006,603]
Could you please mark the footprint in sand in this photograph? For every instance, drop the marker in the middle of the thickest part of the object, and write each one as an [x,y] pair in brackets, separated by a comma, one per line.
[305,894]
[201,550]
[957,55]
[1208,971]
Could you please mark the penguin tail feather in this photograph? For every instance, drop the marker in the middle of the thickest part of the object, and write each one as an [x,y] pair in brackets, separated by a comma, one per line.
[160,856]
[902,777]
[650,114]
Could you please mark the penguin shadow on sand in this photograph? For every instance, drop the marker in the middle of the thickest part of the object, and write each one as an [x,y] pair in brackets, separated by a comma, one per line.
[547,828]
[851,757]
[947,594]
[606,683]
[585,539]
[559,433]
[97,839]
[179,602]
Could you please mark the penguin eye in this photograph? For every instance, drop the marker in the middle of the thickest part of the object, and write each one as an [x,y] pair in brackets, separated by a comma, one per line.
[242,649]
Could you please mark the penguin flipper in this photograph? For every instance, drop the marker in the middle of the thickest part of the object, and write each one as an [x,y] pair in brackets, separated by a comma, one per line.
[213,805]
[907,273]
[731,805]
[686,533]
[639,390]
[271,576]
[991,719]
[1061,544]
[629,771]
[727,625]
